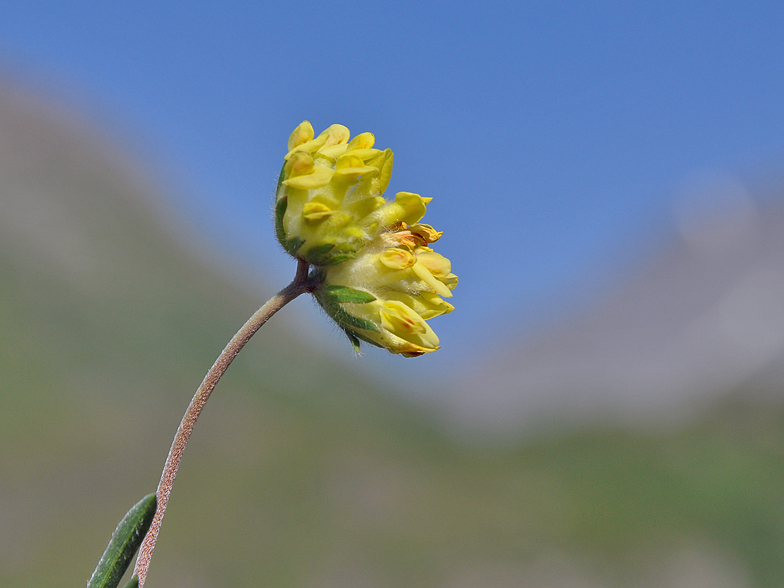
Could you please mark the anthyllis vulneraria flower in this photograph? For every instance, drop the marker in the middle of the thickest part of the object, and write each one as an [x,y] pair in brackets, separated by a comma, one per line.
[329,201]
[375,273]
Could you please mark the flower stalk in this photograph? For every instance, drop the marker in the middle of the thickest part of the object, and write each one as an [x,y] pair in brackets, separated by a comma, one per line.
[300,285]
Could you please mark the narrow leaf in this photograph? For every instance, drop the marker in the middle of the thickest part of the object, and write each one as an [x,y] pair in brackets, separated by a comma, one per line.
[280,210]
[334,259]
[123,545]
[345,320]
[280,178]
[318,255]
[337,254]
[343,294]
[349,320]
[133,582]
[292,245]
[354,341]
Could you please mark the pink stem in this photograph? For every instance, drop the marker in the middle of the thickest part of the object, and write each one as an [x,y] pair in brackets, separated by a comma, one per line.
[298,286]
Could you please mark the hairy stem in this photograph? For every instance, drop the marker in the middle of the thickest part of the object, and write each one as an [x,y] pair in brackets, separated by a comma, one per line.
[298,286]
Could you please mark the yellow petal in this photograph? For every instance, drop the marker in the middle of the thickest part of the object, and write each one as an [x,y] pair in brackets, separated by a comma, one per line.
[449,281]
[386,171]
[302,134]
[351,166]
[307,147]
[403,322]
[397,318]
[424,274]
[365,155]
[412,207]
[438,265]
[433,305]
[300,164]
[327,199]
[333,151]
[335,135]
[362,141]
[319,177]
[315,211]
[355,172]
[397,259]
[348,160]
[426,304]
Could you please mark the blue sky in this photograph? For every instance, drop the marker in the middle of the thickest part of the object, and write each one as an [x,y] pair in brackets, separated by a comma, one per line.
[550,134]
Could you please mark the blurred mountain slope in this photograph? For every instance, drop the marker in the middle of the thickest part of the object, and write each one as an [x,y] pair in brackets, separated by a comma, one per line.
[699,319]
[302,473]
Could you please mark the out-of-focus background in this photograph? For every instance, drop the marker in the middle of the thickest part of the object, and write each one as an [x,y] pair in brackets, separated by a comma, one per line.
[606,409]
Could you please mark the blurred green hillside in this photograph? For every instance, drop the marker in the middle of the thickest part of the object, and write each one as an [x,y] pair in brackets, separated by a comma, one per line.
[303,473]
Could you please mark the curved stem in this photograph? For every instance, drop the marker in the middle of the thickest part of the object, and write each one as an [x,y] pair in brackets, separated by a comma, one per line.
[298,286]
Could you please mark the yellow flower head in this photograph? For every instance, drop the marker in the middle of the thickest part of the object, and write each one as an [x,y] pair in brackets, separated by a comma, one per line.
[375,273]
[386,294]
[329,201]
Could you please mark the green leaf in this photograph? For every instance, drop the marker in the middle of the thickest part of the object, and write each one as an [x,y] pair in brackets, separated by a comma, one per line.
[319,255]
[352,338]
[347,319]
[342,294]
[280,209]
[123,545]
[133,582]
[292,245]
[342,252]
[280,178]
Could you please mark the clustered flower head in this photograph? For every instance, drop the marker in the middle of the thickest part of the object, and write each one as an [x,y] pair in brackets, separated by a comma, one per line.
[375,272]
